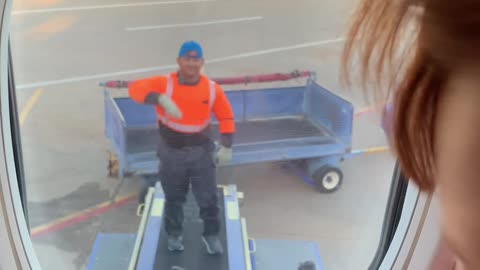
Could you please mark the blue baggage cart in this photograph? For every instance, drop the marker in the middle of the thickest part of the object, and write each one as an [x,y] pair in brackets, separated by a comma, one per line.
[307,124]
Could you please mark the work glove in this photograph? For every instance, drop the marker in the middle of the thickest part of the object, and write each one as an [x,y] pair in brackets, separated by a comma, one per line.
[223,155]
[169,106]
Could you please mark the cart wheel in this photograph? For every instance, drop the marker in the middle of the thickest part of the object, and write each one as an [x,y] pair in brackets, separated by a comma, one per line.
[327,179]
[112,166]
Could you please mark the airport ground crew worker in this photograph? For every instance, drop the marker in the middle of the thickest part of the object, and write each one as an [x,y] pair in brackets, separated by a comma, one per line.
[184,101]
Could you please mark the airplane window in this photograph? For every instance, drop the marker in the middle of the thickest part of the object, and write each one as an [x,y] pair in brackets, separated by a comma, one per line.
[195,134]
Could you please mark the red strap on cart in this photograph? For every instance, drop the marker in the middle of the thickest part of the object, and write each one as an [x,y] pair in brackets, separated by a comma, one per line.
[234,80]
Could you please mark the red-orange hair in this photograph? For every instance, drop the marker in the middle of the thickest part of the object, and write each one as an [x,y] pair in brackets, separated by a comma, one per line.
[408,48]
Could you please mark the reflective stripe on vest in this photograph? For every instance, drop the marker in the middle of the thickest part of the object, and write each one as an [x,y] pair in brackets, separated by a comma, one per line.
[183,127]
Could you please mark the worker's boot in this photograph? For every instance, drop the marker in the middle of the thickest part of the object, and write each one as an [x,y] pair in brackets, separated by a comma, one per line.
[212,244]
[175,243]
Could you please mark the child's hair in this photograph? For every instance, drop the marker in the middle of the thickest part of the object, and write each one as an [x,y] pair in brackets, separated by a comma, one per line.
[406,50]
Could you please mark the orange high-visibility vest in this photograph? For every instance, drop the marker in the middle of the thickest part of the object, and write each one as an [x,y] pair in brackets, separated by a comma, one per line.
[196,102]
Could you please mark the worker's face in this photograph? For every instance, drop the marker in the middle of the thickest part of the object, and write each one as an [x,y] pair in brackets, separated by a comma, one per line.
[190,65]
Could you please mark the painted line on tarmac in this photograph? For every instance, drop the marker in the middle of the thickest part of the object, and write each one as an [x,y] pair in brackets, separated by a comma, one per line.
[371,150]
[80,216]
[366,110]
[165,26]
[276,50]
[54,25]
[30,103]
[369,109]
[94,7]
[114,75]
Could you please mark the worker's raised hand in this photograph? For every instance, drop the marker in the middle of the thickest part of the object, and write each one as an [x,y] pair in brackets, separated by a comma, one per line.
[169,106]
[223,155]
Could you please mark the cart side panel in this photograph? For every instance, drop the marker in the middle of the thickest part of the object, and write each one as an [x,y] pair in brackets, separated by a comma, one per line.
[266,103]
[108,117]
[114,125]
[142,128]
[142,140]
[237,101]
[136,114]
[330,111]
[274,102]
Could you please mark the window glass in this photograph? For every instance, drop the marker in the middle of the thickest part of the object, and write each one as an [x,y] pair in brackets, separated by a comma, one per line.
[309,156]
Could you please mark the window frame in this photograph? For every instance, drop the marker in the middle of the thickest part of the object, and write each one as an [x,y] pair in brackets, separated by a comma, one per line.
[393,213]
[16,248]
[16,139]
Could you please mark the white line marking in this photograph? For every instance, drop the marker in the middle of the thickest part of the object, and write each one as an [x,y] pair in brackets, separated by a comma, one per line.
[153,27]
[275,50]
[115,75]
[49,10]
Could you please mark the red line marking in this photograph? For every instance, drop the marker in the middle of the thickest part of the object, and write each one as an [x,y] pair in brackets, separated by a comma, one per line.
[80,218]
[366,111]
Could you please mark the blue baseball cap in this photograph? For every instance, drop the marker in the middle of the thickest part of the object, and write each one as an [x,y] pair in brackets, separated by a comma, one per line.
[189,46]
